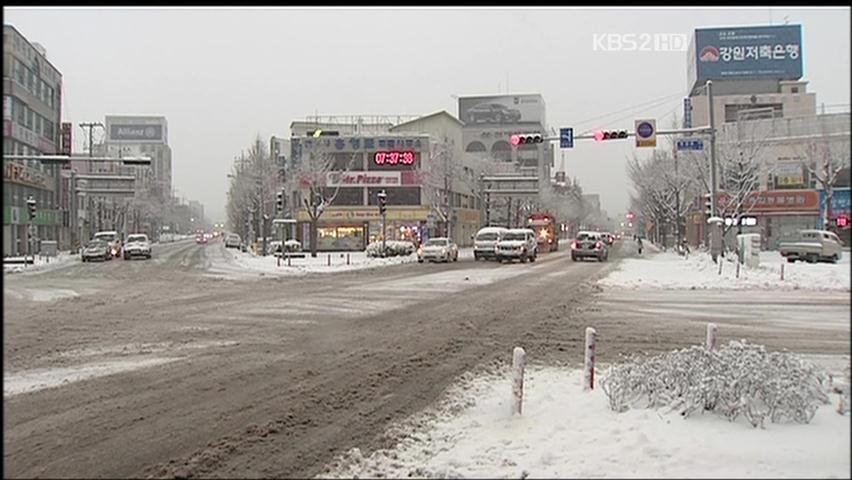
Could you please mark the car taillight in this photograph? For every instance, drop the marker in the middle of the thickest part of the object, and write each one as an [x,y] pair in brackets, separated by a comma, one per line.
[598,244]
[574,245]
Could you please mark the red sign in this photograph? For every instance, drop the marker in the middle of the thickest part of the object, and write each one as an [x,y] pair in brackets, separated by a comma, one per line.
[394,158]
[842,221]
[776,201]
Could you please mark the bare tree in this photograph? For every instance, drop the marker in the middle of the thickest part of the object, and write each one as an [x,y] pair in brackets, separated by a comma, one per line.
[310,178]
[824,159]
[251,194]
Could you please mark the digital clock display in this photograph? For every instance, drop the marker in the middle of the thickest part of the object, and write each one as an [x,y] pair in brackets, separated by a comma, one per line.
[394,158]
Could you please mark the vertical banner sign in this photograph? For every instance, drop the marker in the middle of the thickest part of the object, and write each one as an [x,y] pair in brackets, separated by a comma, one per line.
[566,137]
[66,139]
[687,112]
[646,133]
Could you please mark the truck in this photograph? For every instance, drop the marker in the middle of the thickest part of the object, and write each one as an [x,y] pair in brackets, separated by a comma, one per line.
[544,226]
[812,246]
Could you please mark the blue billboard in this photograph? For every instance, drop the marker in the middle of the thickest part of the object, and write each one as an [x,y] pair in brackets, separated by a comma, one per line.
[841,204]
[753,53]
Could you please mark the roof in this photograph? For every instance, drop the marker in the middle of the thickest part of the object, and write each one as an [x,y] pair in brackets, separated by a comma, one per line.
[439,112]
[491,229]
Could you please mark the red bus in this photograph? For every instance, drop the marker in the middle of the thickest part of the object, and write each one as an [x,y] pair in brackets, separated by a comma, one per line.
[544,226]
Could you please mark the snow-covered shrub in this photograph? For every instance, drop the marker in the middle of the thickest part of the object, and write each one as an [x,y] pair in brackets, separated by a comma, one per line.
[736,379]
[393,248]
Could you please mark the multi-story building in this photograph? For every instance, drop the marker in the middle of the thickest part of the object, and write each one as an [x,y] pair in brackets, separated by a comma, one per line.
[32,89]
[519,173]
[402,161]
[764,115]
[141,135]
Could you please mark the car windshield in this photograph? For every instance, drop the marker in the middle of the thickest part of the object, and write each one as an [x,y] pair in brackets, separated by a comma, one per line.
[489,236]
[137,238]
[96,244]
[437,242]
[107,237]
[587,236]
[515,236]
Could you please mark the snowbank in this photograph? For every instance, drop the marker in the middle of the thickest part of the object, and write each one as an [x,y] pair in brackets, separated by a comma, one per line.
[43,264]
[232,260]
[668,270]
[566,433]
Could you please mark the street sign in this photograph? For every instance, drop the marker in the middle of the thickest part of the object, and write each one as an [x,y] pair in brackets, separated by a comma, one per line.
[646,133]
[690,144]
[566,137]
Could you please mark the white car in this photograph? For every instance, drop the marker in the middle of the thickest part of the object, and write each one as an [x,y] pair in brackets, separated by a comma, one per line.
[438,249]
[485,241]
[137,245]
[517,243]
[232,241]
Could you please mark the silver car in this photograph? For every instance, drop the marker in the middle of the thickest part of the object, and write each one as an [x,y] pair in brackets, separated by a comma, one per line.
[589,245]
[438,249]
[137,245]
[96,250]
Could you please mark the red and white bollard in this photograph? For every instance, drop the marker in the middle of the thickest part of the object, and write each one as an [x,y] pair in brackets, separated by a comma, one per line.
[518,363]
[589,360]
[710,341]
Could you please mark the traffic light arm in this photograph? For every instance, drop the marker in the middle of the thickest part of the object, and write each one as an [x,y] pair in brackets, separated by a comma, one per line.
[682,131]
[63,159]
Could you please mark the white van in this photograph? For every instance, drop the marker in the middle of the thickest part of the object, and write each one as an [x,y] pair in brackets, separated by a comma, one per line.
[485,242]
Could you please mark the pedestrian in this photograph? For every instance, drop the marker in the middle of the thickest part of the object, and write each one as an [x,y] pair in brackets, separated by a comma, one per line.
[639,244]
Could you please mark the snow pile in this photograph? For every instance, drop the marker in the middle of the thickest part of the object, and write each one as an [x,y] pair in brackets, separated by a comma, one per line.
[736,379]
[393,248]
[567,433]
[669,270]
[42,264]
[227,260]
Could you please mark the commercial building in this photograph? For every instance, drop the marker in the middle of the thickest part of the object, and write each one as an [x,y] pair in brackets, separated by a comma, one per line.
[765,116]
[141,135]
[32,99]
[519,173]
[403,161]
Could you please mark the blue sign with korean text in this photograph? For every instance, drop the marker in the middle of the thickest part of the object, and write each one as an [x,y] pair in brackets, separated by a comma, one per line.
[767,52]
[566,137]
[841,203]
[690,144]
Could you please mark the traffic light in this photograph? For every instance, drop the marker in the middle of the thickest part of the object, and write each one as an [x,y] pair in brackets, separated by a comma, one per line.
[602,135]
[279,203]
[383,201]
[31,206]
[708,204]
[525,138]
[630,215]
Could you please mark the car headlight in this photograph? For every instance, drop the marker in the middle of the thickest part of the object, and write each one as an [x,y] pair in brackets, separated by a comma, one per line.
[443,251]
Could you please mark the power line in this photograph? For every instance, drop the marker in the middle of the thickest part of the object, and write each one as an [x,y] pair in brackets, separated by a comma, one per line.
[631,108]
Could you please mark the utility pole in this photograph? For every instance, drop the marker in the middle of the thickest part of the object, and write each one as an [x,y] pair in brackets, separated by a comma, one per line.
[715,228]
[90,126]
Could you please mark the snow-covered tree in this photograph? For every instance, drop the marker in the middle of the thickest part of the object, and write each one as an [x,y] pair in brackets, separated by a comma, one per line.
[824,159]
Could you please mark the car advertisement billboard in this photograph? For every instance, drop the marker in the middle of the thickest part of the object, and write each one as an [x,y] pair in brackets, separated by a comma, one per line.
[768,52]
[502,110]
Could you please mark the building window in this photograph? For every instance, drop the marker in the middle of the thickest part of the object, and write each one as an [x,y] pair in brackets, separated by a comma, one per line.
[409,196]
[347,196]
[794,90]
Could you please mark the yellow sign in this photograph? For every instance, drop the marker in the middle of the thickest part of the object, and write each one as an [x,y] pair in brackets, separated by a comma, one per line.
[790,180]
[366,215]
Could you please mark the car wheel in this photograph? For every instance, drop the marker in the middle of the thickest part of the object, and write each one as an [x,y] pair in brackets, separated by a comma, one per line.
[532,259]
[812,259]
[835,258]
[456,258]
[419,260]
[574,258]
[791,260]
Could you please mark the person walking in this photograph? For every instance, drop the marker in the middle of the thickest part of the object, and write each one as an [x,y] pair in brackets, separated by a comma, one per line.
[639,244]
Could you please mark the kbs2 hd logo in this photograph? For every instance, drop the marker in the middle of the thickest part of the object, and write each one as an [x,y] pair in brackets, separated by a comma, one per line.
[639,42]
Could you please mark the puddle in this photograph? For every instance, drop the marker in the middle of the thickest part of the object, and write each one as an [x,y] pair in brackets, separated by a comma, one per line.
[39,379]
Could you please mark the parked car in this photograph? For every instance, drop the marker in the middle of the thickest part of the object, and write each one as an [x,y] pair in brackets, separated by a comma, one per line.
[113,239]
[493,113]
[201,239]
[485,241]
[812,246]
[96,249]
[517,243]
[137,245]
[292,245]
[438,249]
[589,244]
[232,241]
[609,238]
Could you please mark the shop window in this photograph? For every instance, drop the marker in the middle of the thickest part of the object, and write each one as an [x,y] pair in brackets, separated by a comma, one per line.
[347,196]
[409,196]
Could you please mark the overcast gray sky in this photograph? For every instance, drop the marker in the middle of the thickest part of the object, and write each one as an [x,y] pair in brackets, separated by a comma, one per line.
[221,76]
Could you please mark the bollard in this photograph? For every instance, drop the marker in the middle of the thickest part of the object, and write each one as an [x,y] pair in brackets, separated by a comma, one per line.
[288,260]
[720,265]
[518,363]
[347,259]
[782,272]
[329,259]
[738,269]
[279,260]
[589,360]
[710,342]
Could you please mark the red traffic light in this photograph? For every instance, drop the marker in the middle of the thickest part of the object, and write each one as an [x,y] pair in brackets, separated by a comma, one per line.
[515,140]
[601,135]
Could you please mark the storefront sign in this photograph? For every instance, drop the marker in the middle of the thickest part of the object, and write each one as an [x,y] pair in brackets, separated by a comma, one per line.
[18,173]
[364,214]
[789,174]
[364,179]
[776,201]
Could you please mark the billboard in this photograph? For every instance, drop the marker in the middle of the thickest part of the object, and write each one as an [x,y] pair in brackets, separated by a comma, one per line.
[789,174]
[144,132]
[502,110]
[768,53]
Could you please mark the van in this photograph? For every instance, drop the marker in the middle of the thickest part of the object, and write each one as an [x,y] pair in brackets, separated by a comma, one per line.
[485,242]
